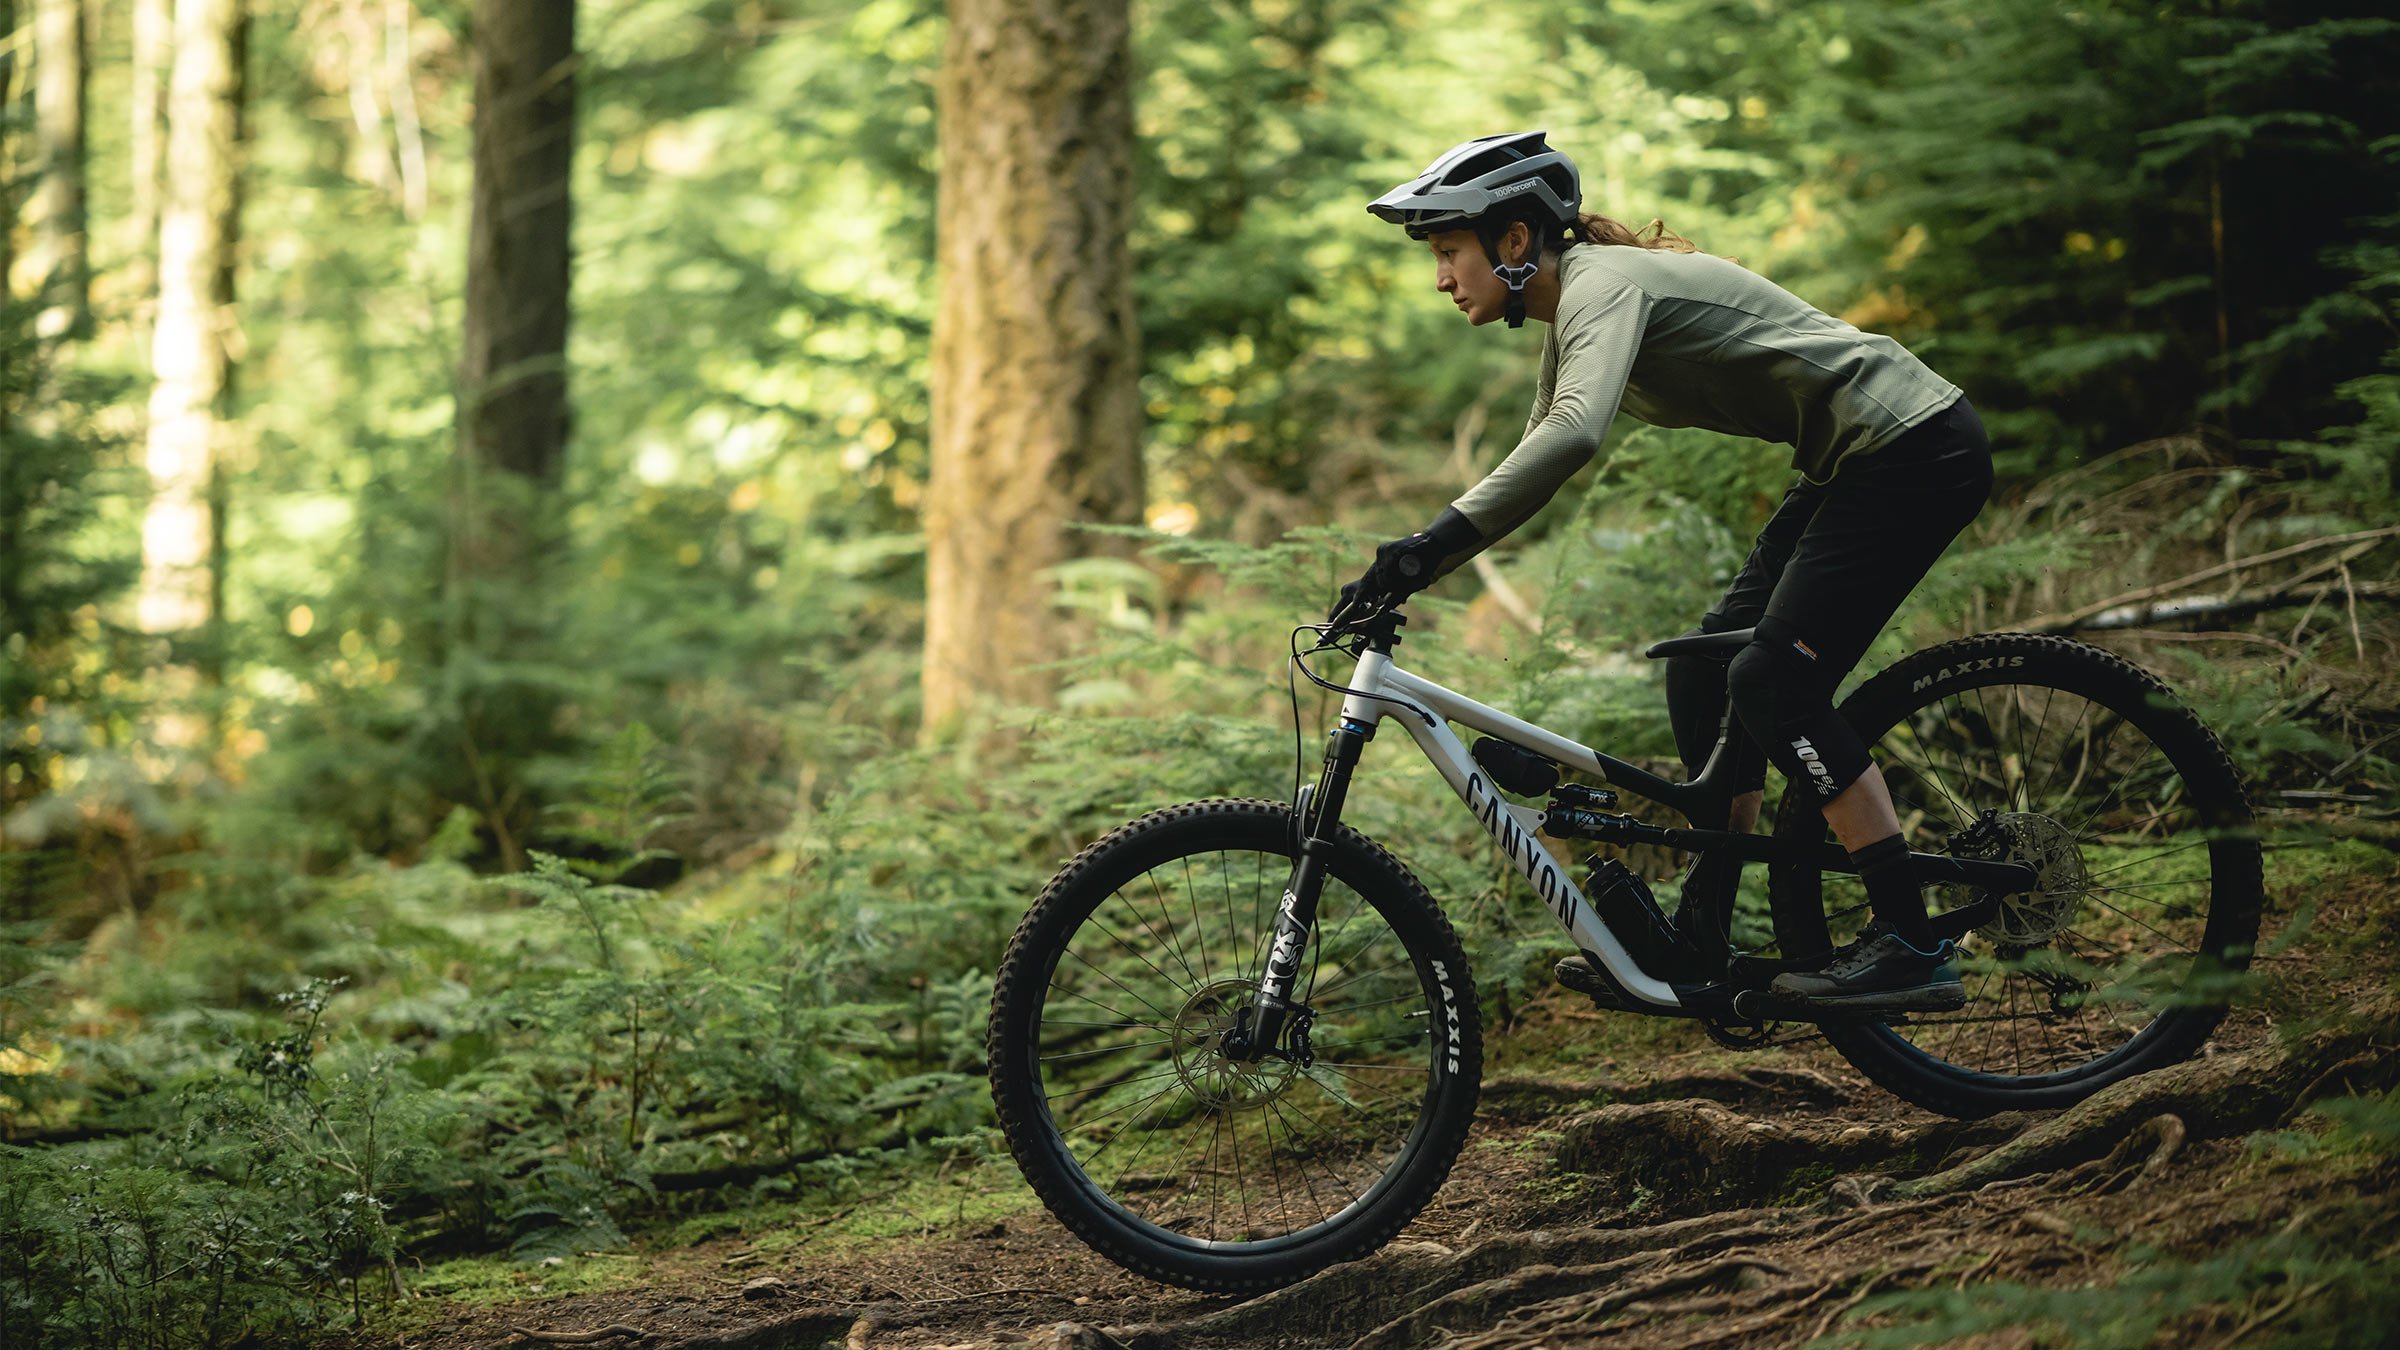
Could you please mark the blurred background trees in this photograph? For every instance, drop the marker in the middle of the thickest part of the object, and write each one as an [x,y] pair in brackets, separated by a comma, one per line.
[340,569]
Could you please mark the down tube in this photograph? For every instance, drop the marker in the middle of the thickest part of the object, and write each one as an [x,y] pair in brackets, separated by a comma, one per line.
[1512,829]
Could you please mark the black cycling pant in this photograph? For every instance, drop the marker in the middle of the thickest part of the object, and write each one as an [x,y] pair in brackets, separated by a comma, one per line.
[1827,573]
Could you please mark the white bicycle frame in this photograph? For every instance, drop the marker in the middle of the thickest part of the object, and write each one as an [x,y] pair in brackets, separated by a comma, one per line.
[1385,691]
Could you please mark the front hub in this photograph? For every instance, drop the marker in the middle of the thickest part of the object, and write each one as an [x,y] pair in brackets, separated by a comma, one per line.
[1216,1078]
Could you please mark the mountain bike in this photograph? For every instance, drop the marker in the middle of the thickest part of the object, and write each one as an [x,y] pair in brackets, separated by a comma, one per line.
[1234,1042]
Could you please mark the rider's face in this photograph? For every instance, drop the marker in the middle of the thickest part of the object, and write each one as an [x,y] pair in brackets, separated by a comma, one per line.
[1462,273]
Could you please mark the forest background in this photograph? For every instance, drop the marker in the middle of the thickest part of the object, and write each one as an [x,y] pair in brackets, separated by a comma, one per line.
[548,633]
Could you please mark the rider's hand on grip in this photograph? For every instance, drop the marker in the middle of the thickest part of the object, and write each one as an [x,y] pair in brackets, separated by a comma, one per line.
[1355,598]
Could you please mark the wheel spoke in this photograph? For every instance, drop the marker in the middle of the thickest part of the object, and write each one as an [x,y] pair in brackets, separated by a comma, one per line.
[1173,946]
[1137,955]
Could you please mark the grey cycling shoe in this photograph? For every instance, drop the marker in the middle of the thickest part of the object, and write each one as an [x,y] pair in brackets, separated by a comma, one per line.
[1882,974]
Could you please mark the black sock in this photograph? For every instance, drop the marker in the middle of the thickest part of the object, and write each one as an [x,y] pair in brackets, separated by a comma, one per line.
[1892,890]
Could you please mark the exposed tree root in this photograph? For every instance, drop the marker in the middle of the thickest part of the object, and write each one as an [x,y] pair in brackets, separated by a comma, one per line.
[2210,1098]
[1518,1096]
[2164,1132]
[1480,1305]
[1560,1315]
[1332,1307]
[1694,1153]
[608,1333]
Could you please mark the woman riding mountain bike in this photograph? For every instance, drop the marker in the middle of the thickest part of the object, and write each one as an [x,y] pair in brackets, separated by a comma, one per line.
[1892,461]
[1235,1041]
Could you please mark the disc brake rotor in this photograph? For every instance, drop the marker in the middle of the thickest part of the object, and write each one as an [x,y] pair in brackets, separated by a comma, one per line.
[2032,918]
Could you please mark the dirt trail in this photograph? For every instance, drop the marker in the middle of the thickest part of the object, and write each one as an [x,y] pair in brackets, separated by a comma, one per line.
[1759,1203]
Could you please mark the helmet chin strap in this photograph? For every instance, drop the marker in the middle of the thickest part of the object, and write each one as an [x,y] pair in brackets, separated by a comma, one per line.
[1515,275]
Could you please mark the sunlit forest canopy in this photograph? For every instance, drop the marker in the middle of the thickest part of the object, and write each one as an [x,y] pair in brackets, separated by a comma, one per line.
[472,523]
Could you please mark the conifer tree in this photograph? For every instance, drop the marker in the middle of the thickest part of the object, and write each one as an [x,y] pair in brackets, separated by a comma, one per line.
[513,410]
[153,55]
[512,392]
[59,261]
[1036,418]
[182,587]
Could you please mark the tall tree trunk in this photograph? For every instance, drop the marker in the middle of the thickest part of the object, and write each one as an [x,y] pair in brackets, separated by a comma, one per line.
[512,414]
[1036,418]
[60,261]
[153,50]
[13,494]
[191,361]
[512,389]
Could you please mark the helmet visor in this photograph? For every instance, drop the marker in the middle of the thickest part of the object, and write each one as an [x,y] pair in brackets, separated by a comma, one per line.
[1422,208]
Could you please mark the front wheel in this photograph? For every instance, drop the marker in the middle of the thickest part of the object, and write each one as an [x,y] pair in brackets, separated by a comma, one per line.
[1184,1164]
[2075,762]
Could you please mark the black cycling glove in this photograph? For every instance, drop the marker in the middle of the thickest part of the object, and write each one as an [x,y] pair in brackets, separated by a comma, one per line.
[1403,567]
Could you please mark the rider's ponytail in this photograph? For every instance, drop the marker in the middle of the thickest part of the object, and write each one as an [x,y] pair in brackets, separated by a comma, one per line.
[1595,229]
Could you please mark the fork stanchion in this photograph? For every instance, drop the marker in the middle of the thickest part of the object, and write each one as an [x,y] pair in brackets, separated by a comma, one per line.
[1258,1035]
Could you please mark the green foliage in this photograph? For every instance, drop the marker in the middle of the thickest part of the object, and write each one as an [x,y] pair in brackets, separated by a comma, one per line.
[2286,1289]
[259,1206]
[62,658]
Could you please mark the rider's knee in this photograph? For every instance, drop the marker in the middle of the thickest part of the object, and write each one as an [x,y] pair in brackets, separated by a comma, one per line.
[1759,683]
[1779,692]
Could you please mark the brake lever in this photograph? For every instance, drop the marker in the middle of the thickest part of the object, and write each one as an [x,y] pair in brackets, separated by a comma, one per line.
[1359,610]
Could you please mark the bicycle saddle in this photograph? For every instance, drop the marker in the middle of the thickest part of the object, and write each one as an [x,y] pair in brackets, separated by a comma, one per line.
[1719,645]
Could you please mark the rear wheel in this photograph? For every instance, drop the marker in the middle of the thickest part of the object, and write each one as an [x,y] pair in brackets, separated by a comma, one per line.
[1177,1161]
[2075,762]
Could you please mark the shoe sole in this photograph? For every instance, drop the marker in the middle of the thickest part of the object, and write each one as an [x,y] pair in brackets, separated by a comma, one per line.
[1948,997]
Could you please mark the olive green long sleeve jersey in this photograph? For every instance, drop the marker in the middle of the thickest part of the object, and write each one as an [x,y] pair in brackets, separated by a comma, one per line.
[1690,340]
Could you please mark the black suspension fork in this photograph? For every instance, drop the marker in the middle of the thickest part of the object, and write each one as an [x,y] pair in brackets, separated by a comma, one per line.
[1296,916]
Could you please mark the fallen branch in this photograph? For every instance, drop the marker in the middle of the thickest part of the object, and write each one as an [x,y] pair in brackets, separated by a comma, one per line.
[1504,595]
[2189,608]
[2061,623]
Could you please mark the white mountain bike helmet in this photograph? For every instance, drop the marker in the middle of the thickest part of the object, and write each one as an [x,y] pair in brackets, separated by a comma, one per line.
[1483,185]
